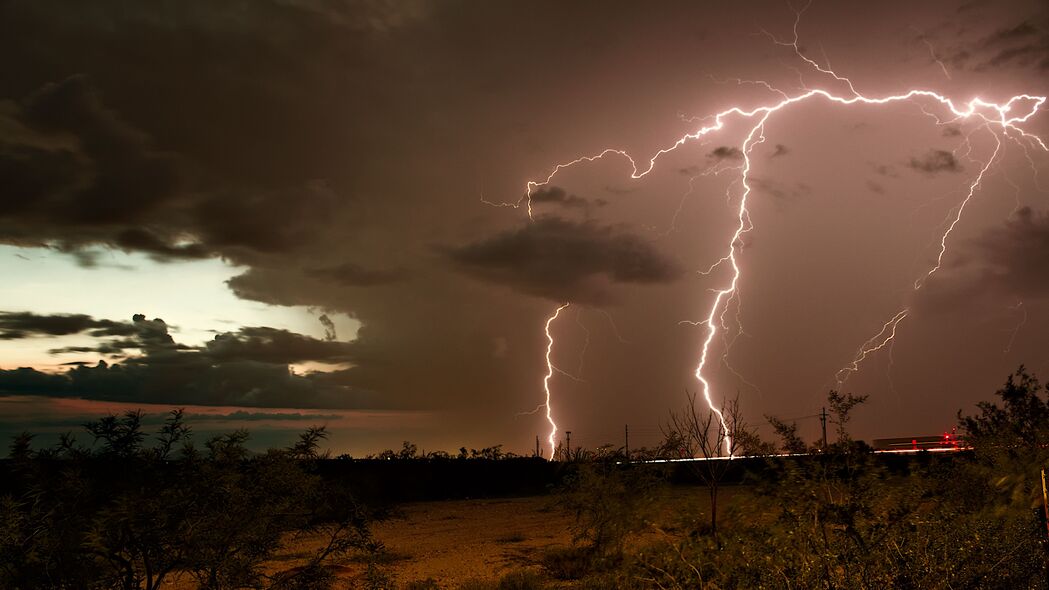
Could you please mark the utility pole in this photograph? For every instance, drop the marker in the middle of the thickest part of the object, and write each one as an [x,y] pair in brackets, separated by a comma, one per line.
[568,443]
[538,453]
[626,440]
[823,421]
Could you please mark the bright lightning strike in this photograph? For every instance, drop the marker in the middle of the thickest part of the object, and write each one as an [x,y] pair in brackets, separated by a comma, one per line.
[958,214]
[1008,117]
[550,369]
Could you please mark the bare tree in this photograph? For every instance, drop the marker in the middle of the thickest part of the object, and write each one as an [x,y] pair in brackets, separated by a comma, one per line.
[711,438]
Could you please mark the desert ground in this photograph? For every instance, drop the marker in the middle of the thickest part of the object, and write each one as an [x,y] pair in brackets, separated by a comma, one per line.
[457,542]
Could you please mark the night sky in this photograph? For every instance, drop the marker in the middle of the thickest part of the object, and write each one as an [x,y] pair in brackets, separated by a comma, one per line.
[281,213]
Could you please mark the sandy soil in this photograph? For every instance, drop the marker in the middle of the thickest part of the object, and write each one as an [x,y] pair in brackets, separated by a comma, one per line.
[457,541]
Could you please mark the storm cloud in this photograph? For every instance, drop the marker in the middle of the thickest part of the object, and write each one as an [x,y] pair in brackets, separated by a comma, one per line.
[935,161]
[75,174]
[354,275]
[558,196]
[248,367]
[566,261]
[335,156]
[1016,255]
[727,153]
[16,325]
[1005,263]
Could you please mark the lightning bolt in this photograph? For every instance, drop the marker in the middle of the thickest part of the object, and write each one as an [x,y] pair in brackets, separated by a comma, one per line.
[1016,330]
[586,341]
[932,52]
[887,334]
[1008,117]
[550,369]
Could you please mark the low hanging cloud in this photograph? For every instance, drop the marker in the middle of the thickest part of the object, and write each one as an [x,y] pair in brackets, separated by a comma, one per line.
[141,240]
[17,325]
[565,260]
[934,162]
[248,367]
[271,345]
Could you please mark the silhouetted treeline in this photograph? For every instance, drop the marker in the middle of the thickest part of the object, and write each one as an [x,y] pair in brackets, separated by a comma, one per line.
[125,514]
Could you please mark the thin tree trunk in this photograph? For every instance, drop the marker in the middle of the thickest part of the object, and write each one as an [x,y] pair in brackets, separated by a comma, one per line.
[714,510]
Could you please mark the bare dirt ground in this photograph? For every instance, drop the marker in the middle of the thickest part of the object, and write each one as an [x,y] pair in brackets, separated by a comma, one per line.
[455,542]
[452,542]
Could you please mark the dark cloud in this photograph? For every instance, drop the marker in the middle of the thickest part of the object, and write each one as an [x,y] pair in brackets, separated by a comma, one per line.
[1005,262]
[192,381]
[565,261]
[110,174]
[76,174]
[1016,256]
[1024,44]
[248,367]
[726,153]
[935,161]
[885,170]
[951,131]
[780,150]
[557,196]
[270,345]
[149,418]
[322,146]
[15,325]
[1024,30]
[241,415]
[329,328]
[268,221]
[149,336]
[141,240]
[354,275]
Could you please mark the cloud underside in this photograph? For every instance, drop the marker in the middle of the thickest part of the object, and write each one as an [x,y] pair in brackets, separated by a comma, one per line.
[566,261]
[75,174]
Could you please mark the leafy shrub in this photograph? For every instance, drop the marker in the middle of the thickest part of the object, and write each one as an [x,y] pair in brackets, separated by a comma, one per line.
[608,501]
